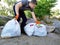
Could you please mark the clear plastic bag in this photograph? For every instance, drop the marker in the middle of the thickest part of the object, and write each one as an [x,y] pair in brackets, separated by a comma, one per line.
[35,30]
[40,30]
[11,29]
[29,29]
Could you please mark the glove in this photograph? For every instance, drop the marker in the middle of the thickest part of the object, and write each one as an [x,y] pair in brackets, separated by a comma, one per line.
[37,22]
[16,17]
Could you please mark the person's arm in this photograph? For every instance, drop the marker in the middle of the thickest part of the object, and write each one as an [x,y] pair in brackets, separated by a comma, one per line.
[34,17]
[17,6]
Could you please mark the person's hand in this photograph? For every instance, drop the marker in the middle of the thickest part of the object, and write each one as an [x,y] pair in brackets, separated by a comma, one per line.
[16,17]
[37,22]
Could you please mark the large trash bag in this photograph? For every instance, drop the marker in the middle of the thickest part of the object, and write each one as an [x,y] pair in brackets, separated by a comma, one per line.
[35,30]
[40,30]
[11,29]
[29,29]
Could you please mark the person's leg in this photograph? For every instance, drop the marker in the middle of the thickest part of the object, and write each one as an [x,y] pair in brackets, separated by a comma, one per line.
[24,19]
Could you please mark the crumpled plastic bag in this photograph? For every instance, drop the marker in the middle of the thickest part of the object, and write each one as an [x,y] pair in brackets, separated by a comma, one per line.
[29,29]
[36,30]
[11,29]
[40,30]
